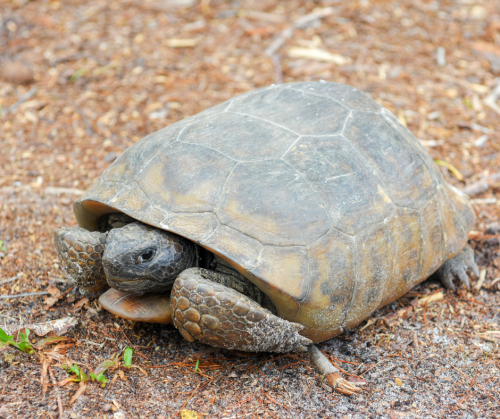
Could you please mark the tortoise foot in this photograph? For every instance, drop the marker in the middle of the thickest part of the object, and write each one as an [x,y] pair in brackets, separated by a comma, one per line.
[220,316]
[149,308]
[456,268]
[80,252]
[331,373]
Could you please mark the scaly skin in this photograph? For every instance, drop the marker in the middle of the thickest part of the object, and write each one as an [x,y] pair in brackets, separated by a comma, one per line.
[457,267]
[80,252]
[219,316]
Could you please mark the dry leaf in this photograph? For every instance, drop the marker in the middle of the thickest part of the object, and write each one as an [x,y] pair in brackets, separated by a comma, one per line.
[398,382]
[81,390]
[189,414]
[78,306]
[59,327]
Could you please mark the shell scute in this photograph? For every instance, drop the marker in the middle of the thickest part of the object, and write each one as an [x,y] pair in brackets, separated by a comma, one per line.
[294,110]
[399,166]
[255,202]
[346,187]
[186,178]
[240,137]
[346,95]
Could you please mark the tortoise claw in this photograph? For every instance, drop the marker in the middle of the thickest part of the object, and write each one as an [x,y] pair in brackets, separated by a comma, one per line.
[457,267]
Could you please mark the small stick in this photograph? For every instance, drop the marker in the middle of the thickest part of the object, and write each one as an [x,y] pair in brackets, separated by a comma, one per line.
[240,403]
[134,347]
[59,404]
[469,393]
[349,362]
[415,340]
[480,282]
[274,401]
[21,100]
[287,33]
[473,382]
[425,318]
[278,68]
[29,294]
[6,281]
[88,128]
[336,366]
[378,363]
[186,402]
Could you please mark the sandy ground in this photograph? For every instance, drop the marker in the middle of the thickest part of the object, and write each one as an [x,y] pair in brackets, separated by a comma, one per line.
[81,81]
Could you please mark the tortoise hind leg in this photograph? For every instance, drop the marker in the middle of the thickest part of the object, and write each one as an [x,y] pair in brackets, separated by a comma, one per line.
[220,316]
[456,268]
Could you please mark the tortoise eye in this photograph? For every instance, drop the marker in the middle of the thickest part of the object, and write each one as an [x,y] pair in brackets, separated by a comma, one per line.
[146,256]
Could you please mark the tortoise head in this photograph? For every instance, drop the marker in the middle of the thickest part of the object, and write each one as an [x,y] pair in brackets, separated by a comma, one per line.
[141,259]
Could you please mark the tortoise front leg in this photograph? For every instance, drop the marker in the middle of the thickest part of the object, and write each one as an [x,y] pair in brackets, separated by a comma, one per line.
[80,252]
[220,316]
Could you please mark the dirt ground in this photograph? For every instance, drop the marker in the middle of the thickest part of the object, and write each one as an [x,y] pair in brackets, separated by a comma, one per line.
[81,81]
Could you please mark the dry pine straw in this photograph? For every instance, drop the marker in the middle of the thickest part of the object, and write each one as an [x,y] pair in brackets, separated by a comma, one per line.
[103,74]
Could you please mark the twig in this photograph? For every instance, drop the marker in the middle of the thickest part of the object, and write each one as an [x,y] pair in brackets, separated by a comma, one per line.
[340,369]
[288,32]
[473,382]
[54,382]
[352,363]
[6,281]
[274,401]
[88,128]
[278,69]
[22,99]
[240,403]
[480,282]
[425,318]
[378,363]
[467,395]
[492,98]
[186,402]
[134,347]
[415,340]
[29,294]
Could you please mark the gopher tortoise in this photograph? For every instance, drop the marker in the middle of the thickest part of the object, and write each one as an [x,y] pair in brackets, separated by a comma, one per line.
[276,219]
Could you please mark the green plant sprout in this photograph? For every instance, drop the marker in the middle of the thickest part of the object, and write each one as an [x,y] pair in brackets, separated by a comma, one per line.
[23,345]
[127,357]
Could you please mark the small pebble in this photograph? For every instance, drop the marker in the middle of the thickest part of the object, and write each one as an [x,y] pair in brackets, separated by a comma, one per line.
[16,72]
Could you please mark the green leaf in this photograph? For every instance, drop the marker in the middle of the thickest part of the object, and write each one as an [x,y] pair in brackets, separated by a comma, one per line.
[77,74]
[4,337]
[197,364]
[100,378]
[24,345]
[79,374]
[127,357]
[2,246]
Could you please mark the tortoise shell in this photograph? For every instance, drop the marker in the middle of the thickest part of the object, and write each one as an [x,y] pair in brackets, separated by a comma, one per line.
[313,191]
